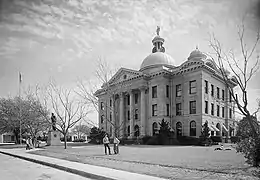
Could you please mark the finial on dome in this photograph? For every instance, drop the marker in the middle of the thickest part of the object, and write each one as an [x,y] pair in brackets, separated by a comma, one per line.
[158,42]
[158,30]
[197,48]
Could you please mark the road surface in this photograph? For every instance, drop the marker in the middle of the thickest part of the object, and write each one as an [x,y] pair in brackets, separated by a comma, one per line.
[17,169]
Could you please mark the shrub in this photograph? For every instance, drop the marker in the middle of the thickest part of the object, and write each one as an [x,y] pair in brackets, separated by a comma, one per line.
[146,138]
[69,139]
[249,141]
[234,139]
[125,141]
[205,131]
[205,142]
[216,138]
[250,147]
[187,140]
[154,140]
[95,141]
[79,140]
[174,141]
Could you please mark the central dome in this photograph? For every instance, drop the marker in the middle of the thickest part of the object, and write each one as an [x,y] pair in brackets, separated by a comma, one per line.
[157,59]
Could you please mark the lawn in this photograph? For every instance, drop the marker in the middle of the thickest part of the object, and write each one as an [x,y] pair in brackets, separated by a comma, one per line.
[160,160]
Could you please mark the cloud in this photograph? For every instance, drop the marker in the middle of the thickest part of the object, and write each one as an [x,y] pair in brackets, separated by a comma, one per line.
[10,47]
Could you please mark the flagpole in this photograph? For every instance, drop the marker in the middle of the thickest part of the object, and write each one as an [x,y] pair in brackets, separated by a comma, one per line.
[20,107]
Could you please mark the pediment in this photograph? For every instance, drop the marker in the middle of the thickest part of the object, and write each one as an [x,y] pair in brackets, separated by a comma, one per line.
[123,74]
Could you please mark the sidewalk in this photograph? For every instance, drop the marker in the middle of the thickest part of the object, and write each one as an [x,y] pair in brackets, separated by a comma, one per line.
[85,170]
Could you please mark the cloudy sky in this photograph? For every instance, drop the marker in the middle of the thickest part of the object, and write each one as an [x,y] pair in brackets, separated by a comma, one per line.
[62,39]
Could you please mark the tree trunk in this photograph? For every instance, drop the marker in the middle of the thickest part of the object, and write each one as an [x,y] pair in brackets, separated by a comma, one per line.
[16,135]
[65,140]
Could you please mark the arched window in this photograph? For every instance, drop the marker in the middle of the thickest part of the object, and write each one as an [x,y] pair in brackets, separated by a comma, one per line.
[137,131]
[128,130]
[192,128]
[155,128]
[179,128]
[102,119]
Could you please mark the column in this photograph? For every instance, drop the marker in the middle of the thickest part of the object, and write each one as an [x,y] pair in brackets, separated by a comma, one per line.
[121,117]
[143,112]
[113,115]
[131,114]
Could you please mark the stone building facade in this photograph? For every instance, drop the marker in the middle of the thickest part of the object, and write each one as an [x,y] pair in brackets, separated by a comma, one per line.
[133,102]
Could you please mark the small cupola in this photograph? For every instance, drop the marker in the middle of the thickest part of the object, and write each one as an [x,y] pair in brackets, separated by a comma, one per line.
[196,54]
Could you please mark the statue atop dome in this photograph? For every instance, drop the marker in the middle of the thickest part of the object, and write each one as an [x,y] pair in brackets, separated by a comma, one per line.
[158,42]
[158,30]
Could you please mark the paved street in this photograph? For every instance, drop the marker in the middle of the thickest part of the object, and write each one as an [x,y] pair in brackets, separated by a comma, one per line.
[17,169]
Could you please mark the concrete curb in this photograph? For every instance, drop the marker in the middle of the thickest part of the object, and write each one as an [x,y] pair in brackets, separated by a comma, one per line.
[56,166]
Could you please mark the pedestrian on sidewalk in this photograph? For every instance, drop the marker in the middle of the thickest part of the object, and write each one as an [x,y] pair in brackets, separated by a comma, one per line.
[106,144]
[27,144]
[116,145]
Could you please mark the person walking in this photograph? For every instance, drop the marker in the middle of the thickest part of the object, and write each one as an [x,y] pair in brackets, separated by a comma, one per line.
[27,144]
[106,144]
[116,145]
[30,143]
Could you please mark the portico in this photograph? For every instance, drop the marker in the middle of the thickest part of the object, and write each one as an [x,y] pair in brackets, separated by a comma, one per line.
[132,112]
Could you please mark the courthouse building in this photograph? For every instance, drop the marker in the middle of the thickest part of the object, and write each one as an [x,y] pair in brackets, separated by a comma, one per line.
[185,95]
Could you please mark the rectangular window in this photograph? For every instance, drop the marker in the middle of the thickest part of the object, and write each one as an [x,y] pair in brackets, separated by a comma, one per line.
[128,99]
[178,109]
[154,110]
[136,98]
[102,119]
[102,107]
[110,102]
[206,87]
[223,112]
[212,109]
[192,107]
[223,94]
[178,90]
[218,96]
[230,113]
[128,115]
[230,97]
[110,116]
[192,87]
[212,90]
[154,92]
[167,110]
[218,110]
[167,90]
[206,107]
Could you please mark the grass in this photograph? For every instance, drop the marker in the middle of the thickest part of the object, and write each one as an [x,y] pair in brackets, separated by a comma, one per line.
[160,160]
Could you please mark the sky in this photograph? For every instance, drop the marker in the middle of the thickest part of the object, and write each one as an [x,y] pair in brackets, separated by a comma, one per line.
[62,40]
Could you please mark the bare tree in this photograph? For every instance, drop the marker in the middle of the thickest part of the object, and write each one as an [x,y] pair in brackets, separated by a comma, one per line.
[67,107]
[242,71]
[88,91]
[81,129]
[242,68]
[42,125]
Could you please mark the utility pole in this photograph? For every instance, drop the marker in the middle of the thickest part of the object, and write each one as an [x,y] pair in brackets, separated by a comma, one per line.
[20,81]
